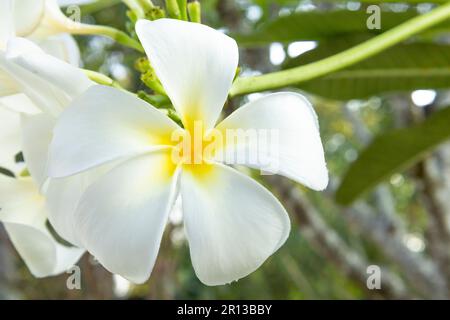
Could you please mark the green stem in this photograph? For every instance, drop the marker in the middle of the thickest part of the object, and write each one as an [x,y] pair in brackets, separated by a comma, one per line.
[117,35]
[98,5]
[343,59]
[146,4]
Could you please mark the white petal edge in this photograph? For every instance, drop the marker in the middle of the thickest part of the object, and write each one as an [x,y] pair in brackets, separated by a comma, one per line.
[103,125]
[232,223]
[195,63]
[122,216]
[293,148]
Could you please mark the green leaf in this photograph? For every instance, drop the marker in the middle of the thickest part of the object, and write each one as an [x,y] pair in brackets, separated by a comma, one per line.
[405,67]
[319,25]
[392,152]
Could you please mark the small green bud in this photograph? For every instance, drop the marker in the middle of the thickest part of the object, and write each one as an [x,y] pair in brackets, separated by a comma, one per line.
[195,11]
[155,13]
[172,9]
[156,100]
[182,5]
[142,65]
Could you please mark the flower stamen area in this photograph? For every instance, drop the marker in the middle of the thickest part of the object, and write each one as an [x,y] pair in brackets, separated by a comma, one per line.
[194,147]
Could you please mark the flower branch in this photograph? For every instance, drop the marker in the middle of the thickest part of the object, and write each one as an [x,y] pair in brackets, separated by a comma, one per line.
[344,59]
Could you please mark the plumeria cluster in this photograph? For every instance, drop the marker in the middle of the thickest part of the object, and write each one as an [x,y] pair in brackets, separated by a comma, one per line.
[103,167]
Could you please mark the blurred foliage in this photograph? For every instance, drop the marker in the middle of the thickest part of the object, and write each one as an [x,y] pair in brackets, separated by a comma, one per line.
[392,151]
[400,68]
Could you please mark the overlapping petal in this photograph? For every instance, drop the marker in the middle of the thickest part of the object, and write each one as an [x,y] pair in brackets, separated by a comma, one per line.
[27,15]
[63,47]
[195,63]
[49,82]
[6,22]
[9,138]
[24,216]
[63,76]
[232,223]
[287,139]
[122,216]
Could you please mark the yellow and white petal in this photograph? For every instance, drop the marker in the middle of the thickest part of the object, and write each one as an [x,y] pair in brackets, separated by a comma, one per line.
[37,133]
[195,63]
[103,125]
[232,223]
[27,15]
[24,216]
[287,139]
[6,22]
[10,143]
[63,47]
[121,217]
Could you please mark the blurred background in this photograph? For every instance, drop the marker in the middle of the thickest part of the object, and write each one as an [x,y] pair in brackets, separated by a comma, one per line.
[390,210]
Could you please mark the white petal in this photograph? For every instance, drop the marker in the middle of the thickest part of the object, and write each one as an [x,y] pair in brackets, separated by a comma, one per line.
[24,215]
[63,47]
[28,15]
[6,22]
[10,143]
[106,124]
[195,63]
[63,196]
[293,147]
[19,103]
[37,133]
[121,217]
[233,224]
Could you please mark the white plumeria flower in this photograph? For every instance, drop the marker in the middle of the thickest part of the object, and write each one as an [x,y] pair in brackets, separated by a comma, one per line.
[232,223]
[43,86]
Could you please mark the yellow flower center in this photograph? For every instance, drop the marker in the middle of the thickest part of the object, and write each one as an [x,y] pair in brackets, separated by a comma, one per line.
[194,147]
